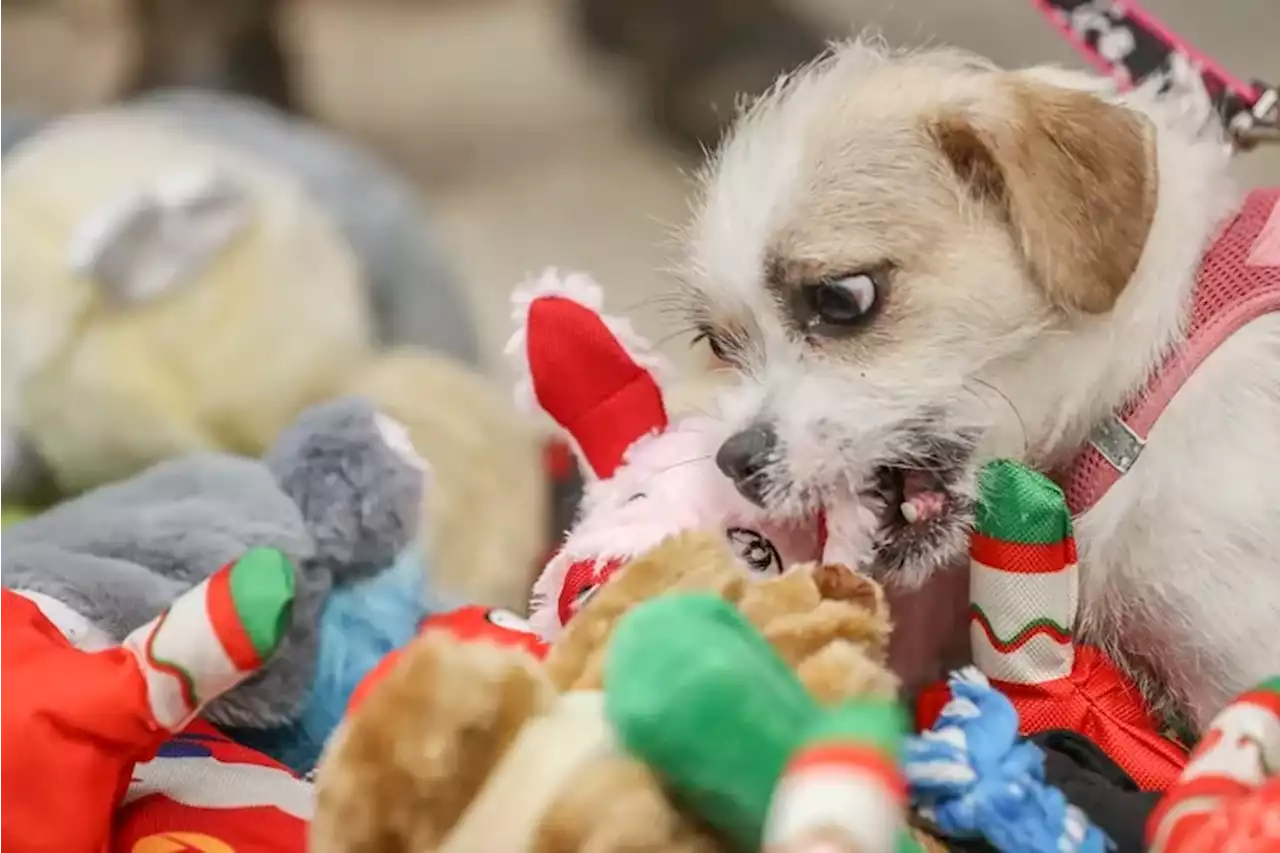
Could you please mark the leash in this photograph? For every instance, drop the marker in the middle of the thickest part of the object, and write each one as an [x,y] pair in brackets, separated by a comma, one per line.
[1127,42]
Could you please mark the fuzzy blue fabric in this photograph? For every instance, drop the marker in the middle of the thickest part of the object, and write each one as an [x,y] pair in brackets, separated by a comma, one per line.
[361,622]
[973,776]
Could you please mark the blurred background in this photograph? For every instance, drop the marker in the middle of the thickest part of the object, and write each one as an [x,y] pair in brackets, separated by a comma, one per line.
[538,131]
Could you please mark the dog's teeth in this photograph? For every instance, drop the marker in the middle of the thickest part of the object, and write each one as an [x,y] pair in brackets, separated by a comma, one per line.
[910,512]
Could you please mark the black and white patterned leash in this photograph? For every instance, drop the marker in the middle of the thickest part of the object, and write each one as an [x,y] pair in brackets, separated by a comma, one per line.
[1125,41]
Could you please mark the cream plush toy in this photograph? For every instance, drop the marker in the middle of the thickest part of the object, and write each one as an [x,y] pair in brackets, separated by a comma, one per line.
[189,271]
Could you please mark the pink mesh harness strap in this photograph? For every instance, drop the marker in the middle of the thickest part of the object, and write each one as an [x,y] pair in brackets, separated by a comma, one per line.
[1238,281]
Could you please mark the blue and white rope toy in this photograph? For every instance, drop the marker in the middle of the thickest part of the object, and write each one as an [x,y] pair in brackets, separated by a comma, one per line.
[973,776]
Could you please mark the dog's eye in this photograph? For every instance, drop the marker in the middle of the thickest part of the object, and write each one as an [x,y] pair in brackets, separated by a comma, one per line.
[842,301]
[714,342]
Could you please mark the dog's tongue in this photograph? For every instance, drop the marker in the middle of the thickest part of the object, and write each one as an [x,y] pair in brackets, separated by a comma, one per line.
[922,497]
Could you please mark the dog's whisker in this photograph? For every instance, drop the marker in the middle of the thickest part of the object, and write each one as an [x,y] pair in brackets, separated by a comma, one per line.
[1022,425]
[706,457]
[661,301]
[921,466]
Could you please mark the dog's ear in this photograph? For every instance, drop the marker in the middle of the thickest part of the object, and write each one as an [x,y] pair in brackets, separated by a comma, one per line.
[1074,178]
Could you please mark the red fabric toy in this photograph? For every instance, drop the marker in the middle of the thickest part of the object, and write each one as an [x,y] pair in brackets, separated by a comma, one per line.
[470,624]
[1023,593]
[1228,798]
[205,792]
[83,731]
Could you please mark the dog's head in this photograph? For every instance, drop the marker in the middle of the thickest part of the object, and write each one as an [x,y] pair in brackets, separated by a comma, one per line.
[883,241]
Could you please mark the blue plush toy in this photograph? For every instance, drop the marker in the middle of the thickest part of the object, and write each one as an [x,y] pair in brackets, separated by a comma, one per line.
[362,621]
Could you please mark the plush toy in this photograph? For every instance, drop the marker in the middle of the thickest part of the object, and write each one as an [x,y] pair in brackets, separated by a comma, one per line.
[648,476]
[479,746]
[85,730]
[1228,798]
[1024,580]
[189,271]
[206,791]
[413,292]
[466,624]
[339,494]
[780,771]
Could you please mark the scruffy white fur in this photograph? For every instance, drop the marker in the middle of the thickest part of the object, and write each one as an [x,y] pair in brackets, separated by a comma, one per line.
[1180,561]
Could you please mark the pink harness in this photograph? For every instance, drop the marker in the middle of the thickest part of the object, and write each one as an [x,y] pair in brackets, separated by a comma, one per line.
[1238,281]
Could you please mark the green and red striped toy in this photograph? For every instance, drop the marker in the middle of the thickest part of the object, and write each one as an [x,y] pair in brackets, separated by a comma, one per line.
[1024,601]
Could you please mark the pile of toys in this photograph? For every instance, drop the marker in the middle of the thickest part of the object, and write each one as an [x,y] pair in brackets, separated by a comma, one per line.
[261,516]
[694,675]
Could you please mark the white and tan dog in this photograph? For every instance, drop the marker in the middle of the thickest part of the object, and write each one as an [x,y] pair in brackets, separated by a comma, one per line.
[917,261]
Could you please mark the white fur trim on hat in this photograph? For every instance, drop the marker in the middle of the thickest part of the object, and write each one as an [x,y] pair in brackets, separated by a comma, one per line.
[582,289]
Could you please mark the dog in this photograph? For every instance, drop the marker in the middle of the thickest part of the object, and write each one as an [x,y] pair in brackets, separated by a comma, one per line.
[917,261]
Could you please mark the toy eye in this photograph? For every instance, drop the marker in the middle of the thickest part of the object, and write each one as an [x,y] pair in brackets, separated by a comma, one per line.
[638,496]
[584,595]
[507,620]
[755,550]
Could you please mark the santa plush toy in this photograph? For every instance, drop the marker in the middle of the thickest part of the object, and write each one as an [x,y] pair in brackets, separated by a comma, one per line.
[648,476]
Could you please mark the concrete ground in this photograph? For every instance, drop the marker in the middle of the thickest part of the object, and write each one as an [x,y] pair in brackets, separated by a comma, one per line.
[529,153]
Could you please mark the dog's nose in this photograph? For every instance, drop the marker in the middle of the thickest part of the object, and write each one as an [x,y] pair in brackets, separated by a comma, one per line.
[744,456]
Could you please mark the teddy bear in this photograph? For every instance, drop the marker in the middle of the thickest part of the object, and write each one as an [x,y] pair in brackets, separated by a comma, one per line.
[647,474]
[189,270]
[482,746]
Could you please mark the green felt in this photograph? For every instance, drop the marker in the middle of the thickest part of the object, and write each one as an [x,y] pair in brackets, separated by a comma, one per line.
[1016,504]
[693,690]
[263,586]
[876,723]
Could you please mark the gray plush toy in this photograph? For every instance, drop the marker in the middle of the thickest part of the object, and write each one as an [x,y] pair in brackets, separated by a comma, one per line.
[340,493]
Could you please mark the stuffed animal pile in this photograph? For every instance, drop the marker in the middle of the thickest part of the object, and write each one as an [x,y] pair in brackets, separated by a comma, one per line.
[696,675]
[466,746]
[189,271]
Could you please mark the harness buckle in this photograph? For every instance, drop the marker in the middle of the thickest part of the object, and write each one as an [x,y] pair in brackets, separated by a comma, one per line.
[1261,124]
[1117,443]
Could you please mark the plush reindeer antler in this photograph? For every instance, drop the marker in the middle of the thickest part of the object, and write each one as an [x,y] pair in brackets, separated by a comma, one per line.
[591,373]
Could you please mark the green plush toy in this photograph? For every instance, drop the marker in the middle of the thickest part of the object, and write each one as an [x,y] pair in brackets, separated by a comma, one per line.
[694,691]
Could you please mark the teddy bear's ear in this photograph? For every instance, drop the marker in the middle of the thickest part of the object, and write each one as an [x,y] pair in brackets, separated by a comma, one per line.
[592,374]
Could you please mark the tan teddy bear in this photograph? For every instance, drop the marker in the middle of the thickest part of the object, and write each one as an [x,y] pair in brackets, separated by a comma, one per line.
[473,747]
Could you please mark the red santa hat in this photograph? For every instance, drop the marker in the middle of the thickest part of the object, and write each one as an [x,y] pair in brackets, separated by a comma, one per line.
[592,374]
